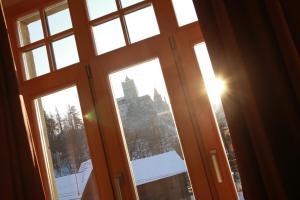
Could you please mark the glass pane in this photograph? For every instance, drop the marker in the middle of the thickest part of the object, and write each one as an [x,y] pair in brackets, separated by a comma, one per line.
[141,24]
[150,133]
[126,3]
[215,88]
[65,145]
[30,29]
[99,8]
[36,62]
[58,18]
[108,36]
[185,11]
[65,52]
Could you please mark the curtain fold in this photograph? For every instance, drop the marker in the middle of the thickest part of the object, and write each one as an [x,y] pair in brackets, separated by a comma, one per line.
[19,174]
[254,44]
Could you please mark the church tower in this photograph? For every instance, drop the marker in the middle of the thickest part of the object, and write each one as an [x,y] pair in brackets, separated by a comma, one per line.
[129,88]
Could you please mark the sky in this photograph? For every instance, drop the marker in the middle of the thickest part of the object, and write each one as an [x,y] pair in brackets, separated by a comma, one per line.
[60,100]
[147,76]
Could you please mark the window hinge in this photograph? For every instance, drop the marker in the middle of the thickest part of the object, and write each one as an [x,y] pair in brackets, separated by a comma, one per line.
[172,42]
[89,71]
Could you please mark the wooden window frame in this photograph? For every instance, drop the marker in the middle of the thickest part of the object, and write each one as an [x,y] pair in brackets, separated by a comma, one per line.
[76,75]
[46,41]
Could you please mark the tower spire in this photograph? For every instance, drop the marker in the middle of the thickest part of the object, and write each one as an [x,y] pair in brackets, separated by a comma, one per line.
[129,88]
[157,96]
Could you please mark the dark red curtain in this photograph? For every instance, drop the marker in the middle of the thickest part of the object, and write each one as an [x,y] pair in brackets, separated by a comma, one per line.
[255,44]
[19,177]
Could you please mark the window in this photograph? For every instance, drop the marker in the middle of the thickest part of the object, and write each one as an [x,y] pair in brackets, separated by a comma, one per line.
[215,86]
[64,142]
[185,11]
[100,8]
[36,62]
[150,132]
[130,139]
[126,3]
[58,18]
[30,29]
[51,41]
[65,52]
[141,24]
[108,36]
[114,27]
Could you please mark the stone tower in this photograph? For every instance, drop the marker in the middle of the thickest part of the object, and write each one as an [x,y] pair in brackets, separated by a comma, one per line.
[129,88]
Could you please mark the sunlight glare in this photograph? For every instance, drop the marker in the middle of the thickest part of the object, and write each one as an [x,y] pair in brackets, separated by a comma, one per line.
[215,86]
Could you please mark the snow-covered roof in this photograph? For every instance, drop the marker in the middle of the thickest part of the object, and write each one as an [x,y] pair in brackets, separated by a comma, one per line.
[72,186]
[157,167]
[145,170]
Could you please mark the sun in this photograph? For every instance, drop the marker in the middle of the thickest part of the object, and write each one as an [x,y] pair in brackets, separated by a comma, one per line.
[215,88]
[215,85]
[220,86]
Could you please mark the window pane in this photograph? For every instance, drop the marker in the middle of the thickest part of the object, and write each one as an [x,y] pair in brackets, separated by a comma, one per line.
[99,8]
[30,29]
[142,24]
[126,3]
[36,62]
[65,145]
[150,133]
[215,88]
[58,18]
[185,11]
[108,36]
[65,52]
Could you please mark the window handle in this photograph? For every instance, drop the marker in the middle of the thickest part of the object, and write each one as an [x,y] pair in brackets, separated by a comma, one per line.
[214,159]
[117,183]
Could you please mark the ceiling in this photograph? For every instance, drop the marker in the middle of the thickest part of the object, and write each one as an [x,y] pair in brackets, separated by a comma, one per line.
[7,3]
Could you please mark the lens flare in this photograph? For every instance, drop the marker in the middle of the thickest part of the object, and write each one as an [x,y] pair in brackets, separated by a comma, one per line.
[215,88]
[89,116]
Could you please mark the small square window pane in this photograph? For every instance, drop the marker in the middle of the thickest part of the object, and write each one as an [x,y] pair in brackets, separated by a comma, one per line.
[142,24]
[58,18]
[185,11]
[108,36]
[99,8]
[36,62]
[30,29]
[65,52]
[126,3]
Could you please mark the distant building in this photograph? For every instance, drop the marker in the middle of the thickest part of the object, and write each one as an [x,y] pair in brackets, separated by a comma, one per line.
[148,123]
[162,176]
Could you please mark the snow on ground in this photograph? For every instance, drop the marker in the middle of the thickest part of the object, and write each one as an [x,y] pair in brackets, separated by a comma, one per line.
[72,186]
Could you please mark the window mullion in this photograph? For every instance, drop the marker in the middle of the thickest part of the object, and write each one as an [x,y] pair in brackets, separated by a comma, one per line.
[47,41]
[123,22]
[125,31]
